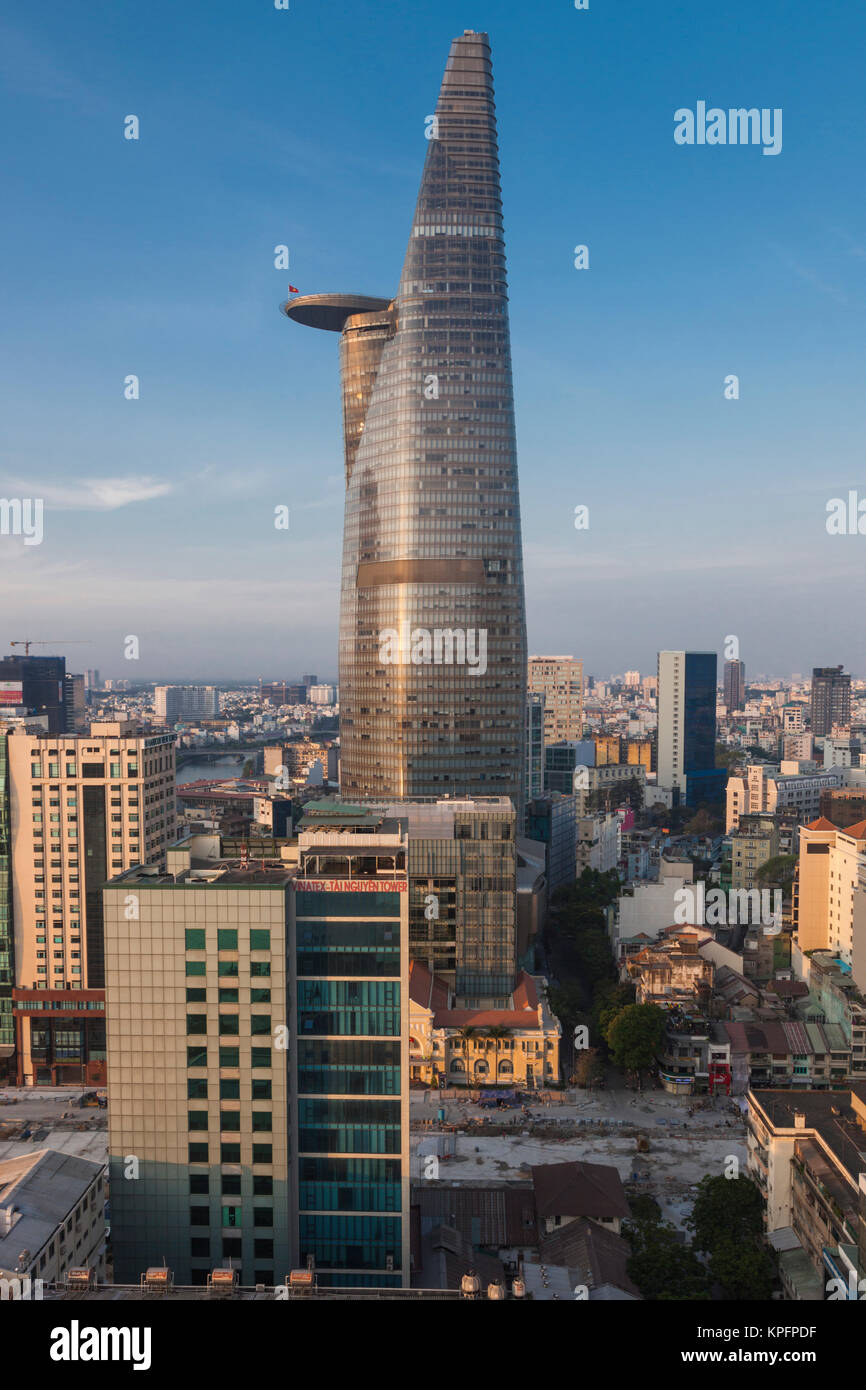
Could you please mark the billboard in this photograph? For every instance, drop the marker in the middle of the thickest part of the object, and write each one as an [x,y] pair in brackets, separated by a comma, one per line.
[350,885]
[11,693]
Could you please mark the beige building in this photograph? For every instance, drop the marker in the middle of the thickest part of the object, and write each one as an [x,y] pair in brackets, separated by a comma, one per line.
[82,807]
[560,680]
[198,1093]
[514,1046]
[829,910]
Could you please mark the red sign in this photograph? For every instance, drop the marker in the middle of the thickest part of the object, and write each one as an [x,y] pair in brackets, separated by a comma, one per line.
[11,693]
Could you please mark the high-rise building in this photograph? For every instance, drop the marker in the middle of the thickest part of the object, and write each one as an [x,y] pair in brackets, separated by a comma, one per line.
[534,746]
[735,685]
[74,706]
[829,907]
[631,680]
[91,680]
[560,680]
[34,685]
[258,1037]
[322,695]
[7,935]
[462,868]
[82,807]
[831,699]
[432,625]
[687,726]
[175,702]
[198,1077]
[349,971]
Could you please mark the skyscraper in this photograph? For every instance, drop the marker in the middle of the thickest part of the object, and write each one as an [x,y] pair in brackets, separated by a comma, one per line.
[34,685]
[687,726]
[831,699]
[735,685]
[432,625]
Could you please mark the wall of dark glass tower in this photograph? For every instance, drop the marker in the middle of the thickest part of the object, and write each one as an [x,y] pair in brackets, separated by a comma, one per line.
[831,699]
[704,781]
[432,539]
[349,961]
[35,684]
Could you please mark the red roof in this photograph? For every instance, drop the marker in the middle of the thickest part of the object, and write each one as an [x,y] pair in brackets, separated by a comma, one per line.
[822,823]
[425,988]
[485,1018]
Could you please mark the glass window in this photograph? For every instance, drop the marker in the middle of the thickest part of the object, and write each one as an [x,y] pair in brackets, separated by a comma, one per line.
[227,938]
[196,1088]
[198,1119]
[229,1090]
[260,939]
[230,1057]
[196,1056]
[261,1090]
[195,938]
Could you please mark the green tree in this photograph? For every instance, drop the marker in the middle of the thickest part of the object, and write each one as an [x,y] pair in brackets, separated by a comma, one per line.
[778,872]
[727,1220]
[635,1036]
[661,1264]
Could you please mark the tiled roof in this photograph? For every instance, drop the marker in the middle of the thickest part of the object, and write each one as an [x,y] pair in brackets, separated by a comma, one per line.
[578,1189]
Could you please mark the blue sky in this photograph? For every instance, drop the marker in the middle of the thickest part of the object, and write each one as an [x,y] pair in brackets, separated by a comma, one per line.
[261,127]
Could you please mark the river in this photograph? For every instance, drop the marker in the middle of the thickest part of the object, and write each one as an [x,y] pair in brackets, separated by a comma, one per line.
[229,765]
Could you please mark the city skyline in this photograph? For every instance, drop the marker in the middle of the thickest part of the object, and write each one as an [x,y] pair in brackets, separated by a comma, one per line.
[161,525]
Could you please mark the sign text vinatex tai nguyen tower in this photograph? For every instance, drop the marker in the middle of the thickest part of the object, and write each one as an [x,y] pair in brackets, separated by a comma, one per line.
[432,623]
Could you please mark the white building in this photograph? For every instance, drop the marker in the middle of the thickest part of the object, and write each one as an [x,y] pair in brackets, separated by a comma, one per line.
[52,1217]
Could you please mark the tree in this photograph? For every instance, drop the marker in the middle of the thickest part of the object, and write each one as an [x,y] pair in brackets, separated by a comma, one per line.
[635,1036]
[589,1067]
[778,872]
[497,1033]
[661,1264]
[466,1036]
[727,1219]
[249,768]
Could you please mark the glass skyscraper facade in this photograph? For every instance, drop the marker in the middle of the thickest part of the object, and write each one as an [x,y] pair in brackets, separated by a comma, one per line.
[432,626]
[350,968]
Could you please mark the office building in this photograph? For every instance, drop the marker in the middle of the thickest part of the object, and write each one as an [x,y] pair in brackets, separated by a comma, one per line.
[74,706]
[173,703]
[34,685]
[82,807]
[199,1029]
[560,680]
[831,699]
[462,872]
[349,967]
[687,726]
[91,680]
[432,627]
[283,692]
[735,686]
[534,784]
[552,821]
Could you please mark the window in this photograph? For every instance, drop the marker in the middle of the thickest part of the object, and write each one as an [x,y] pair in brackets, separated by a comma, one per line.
[228,996]
[227,939]
[196,996]
[195,938]
[230,1057]
[260,1057]
[262,1153]
[230,1090]
[260,968]
[230,1121]
[231,1184]
[261,1090]
[263,1187]
[260,939]
[199,1248]
[196,1023]
[260,996]
[199,1182]
[262,1121]
[197,1119]
[196,1056]
[198,1153]
[263,1248]
[263,1216]
[232,1216]
[196,1088]
[231,1153]
[199,1216]
[196,967]
[229,1024]
[260,1023]
[227,968]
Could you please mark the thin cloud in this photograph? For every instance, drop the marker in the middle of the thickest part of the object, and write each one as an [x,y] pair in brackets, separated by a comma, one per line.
[94,494]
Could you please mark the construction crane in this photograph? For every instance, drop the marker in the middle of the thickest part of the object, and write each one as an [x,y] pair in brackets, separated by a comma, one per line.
[61,643]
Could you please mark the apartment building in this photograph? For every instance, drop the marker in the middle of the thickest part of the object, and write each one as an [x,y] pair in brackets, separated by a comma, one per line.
[172,703]
[829,898]
[806,1157]
[81,808]
[771,788]
[560,680]
[52,1218]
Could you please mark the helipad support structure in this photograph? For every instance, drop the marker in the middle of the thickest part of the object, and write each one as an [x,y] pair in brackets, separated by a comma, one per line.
[432,522]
